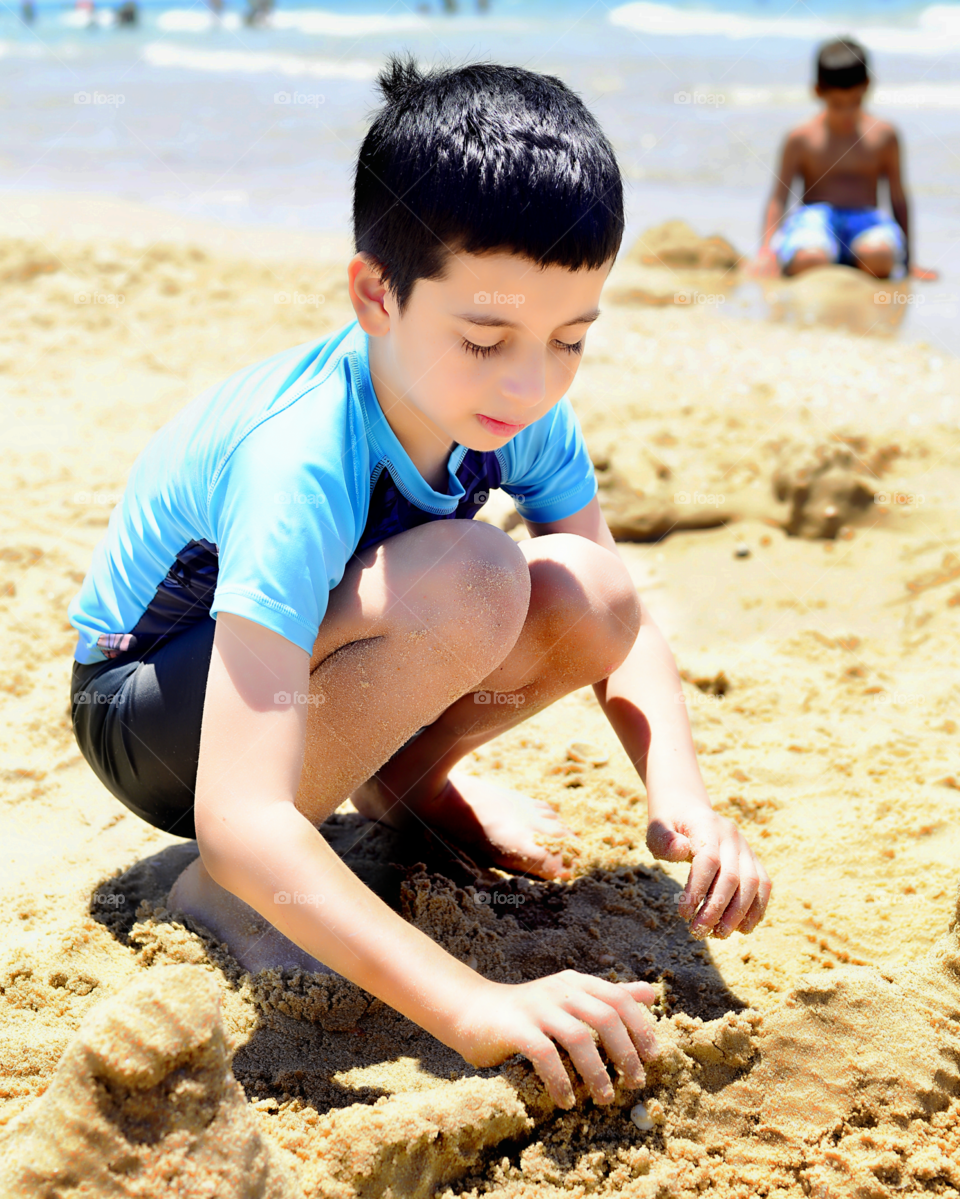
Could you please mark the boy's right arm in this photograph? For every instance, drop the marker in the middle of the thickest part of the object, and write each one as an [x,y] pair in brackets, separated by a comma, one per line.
[255,842]
[787,171]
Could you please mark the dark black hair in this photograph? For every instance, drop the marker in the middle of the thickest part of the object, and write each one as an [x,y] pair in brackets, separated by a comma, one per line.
[842,64]
[478,159]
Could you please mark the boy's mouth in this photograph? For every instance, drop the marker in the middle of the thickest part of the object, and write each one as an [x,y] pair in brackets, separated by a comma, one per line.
[498,426]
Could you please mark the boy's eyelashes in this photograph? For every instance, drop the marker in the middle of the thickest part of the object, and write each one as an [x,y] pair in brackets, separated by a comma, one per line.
[485,351]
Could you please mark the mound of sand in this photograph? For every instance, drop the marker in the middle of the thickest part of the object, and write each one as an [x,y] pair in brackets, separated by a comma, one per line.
[143,1103]
[671,264]
[841,297]
[675,244]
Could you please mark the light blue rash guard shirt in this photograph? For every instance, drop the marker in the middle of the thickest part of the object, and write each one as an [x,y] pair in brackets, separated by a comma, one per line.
[254,497]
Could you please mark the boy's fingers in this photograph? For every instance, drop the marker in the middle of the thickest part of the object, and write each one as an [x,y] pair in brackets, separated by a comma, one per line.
[613,1033]
[543,1055]
[725,883]
[626,998]
[575,1037]
[706,864]
[743,898]
[753,917]
[641,992]
[637,1020]
[759,905]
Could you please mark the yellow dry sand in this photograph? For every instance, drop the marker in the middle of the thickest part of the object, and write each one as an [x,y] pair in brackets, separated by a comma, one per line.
[817,1057]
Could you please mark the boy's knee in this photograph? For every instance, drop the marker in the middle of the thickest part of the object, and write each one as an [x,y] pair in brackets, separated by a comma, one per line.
[479,578]
[586,590]
[876,261]
[807,259]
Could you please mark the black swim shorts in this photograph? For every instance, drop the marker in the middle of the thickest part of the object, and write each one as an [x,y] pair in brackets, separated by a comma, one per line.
[137,722]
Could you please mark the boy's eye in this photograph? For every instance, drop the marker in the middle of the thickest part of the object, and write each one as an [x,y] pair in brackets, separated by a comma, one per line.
[481,351]
[485,351]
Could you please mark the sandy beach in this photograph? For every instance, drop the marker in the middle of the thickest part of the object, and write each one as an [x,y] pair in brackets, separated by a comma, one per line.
[810,589]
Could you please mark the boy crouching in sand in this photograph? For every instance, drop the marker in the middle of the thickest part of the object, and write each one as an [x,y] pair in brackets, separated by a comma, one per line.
[319,505]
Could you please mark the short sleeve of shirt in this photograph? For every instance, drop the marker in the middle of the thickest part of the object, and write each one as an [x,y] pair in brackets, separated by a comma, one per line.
[546,468]
[284,529]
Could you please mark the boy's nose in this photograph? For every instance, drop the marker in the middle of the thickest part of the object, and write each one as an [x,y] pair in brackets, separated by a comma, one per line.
[525,386]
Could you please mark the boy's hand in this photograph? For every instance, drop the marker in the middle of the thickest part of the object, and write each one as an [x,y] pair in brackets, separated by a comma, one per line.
[727,882]
[765,265]
[503,1019]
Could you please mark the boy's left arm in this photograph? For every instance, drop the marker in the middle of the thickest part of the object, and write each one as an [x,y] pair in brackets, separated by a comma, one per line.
[728,889]
[898,196]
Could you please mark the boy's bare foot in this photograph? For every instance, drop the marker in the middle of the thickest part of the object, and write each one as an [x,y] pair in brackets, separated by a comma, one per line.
[252,940]
[492,823]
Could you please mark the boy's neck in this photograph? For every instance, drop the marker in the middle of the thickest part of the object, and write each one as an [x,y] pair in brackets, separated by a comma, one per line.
[427,446]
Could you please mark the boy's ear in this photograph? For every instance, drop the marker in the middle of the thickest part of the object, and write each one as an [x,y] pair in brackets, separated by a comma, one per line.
[368,294]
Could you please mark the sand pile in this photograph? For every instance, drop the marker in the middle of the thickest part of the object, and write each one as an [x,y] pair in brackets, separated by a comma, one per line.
[672,264]
[821,684]
[143,1103]
[840,296]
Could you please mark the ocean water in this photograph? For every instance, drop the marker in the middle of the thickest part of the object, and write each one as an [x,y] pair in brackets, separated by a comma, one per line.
[210,117]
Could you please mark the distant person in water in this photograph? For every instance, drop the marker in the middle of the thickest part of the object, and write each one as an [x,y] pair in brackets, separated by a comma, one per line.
[841,154]
[257,11]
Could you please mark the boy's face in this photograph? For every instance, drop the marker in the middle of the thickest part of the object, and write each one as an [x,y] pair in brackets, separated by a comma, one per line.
[489,348]
[843,106]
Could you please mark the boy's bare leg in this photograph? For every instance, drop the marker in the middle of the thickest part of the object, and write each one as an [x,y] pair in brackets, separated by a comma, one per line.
[805,260]
[875,260]
[414,624]
[399,641]
[582,621]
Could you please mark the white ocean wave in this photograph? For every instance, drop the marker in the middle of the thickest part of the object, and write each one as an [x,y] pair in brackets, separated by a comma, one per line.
[937,30]
[78,18]
[906,95]
[335,24]
[196,20]
[22,50]
[321,22]
[254,62]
